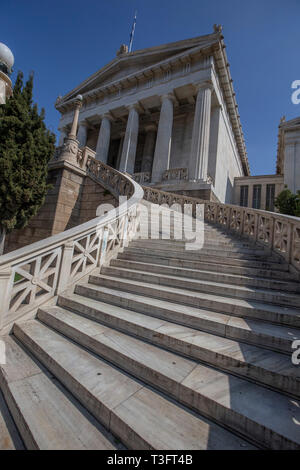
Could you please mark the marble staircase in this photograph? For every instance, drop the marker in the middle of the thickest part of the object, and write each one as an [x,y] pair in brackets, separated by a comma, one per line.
[162,348]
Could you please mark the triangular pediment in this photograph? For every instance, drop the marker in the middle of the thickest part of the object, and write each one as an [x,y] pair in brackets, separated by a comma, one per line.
[141,61]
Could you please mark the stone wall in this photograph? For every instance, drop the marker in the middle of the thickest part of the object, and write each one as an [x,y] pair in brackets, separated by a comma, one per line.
[72,200]
[93,194]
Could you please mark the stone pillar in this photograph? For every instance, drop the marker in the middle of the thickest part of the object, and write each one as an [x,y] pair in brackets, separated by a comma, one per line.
[162,152]
[103,142]
[82,133]
[78,104]
[69,150]
[201,130]
[149,148]
[130,141]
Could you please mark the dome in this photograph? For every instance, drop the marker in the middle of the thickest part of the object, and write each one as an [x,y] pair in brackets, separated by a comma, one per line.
[6,56]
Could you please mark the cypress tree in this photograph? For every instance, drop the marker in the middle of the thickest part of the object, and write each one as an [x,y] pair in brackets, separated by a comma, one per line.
[26,146]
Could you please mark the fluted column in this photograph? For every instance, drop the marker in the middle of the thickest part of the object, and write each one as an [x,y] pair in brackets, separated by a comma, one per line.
[103,142]
[82,133]
[161,159]
[201,129]
[149,148]
[130,141]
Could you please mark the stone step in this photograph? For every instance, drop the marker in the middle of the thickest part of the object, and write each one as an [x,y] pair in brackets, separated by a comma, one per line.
[137,415]
[9,436]
[237,404]
[180,245]
[216,288]
[217,276]
[208,241]
[197,248]
[46,415]
[211,258]
[237,307]
[258,333]
[201,265]
[271,369]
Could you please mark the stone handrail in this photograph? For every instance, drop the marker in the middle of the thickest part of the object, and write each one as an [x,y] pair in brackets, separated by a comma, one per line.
[34,274]
[276,232]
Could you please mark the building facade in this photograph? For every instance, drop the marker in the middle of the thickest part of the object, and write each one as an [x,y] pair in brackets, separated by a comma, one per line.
[167,115]
[260,192]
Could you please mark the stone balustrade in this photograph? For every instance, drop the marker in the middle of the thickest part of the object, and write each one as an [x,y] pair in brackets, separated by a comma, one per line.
[143,177]
[175,174]
[277,232]
[36,273]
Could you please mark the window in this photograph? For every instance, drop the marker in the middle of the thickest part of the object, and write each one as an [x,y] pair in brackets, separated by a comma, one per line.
[244,196]
[270,197]
[256,196]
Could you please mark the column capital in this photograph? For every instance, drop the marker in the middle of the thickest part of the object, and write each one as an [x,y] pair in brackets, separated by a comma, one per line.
[135,106]
[78,102]
[168,96]
[207,85]
[107,116]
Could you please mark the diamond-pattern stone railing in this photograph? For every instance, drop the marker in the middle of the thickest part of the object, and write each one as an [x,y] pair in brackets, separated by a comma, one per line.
[34,274]
[276,232]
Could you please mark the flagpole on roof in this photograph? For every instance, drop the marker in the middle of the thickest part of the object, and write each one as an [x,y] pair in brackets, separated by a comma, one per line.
[132,32]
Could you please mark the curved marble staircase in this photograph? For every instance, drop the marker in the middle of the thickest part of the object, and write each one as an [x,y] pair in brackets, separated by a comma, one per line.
[162,348]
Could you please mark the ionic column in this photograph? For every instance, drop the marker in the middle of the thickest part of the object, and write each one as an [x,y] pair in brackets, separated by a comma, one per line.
[104,138]
[82,133]
[161,159]
[149,148]
[130,141]
[201,129]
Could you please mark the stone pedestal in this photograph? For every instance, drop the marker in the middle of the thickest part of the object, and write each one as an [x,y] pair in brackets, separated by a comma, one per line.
[161,159]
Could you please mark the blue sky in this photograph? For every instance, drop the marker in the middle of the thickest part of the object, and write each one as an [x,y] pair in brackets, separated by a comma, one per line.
[64,41]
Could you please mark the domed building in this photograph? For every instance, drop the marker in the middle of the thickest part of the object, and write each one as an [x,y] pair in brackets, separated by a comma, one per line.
[6,64]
